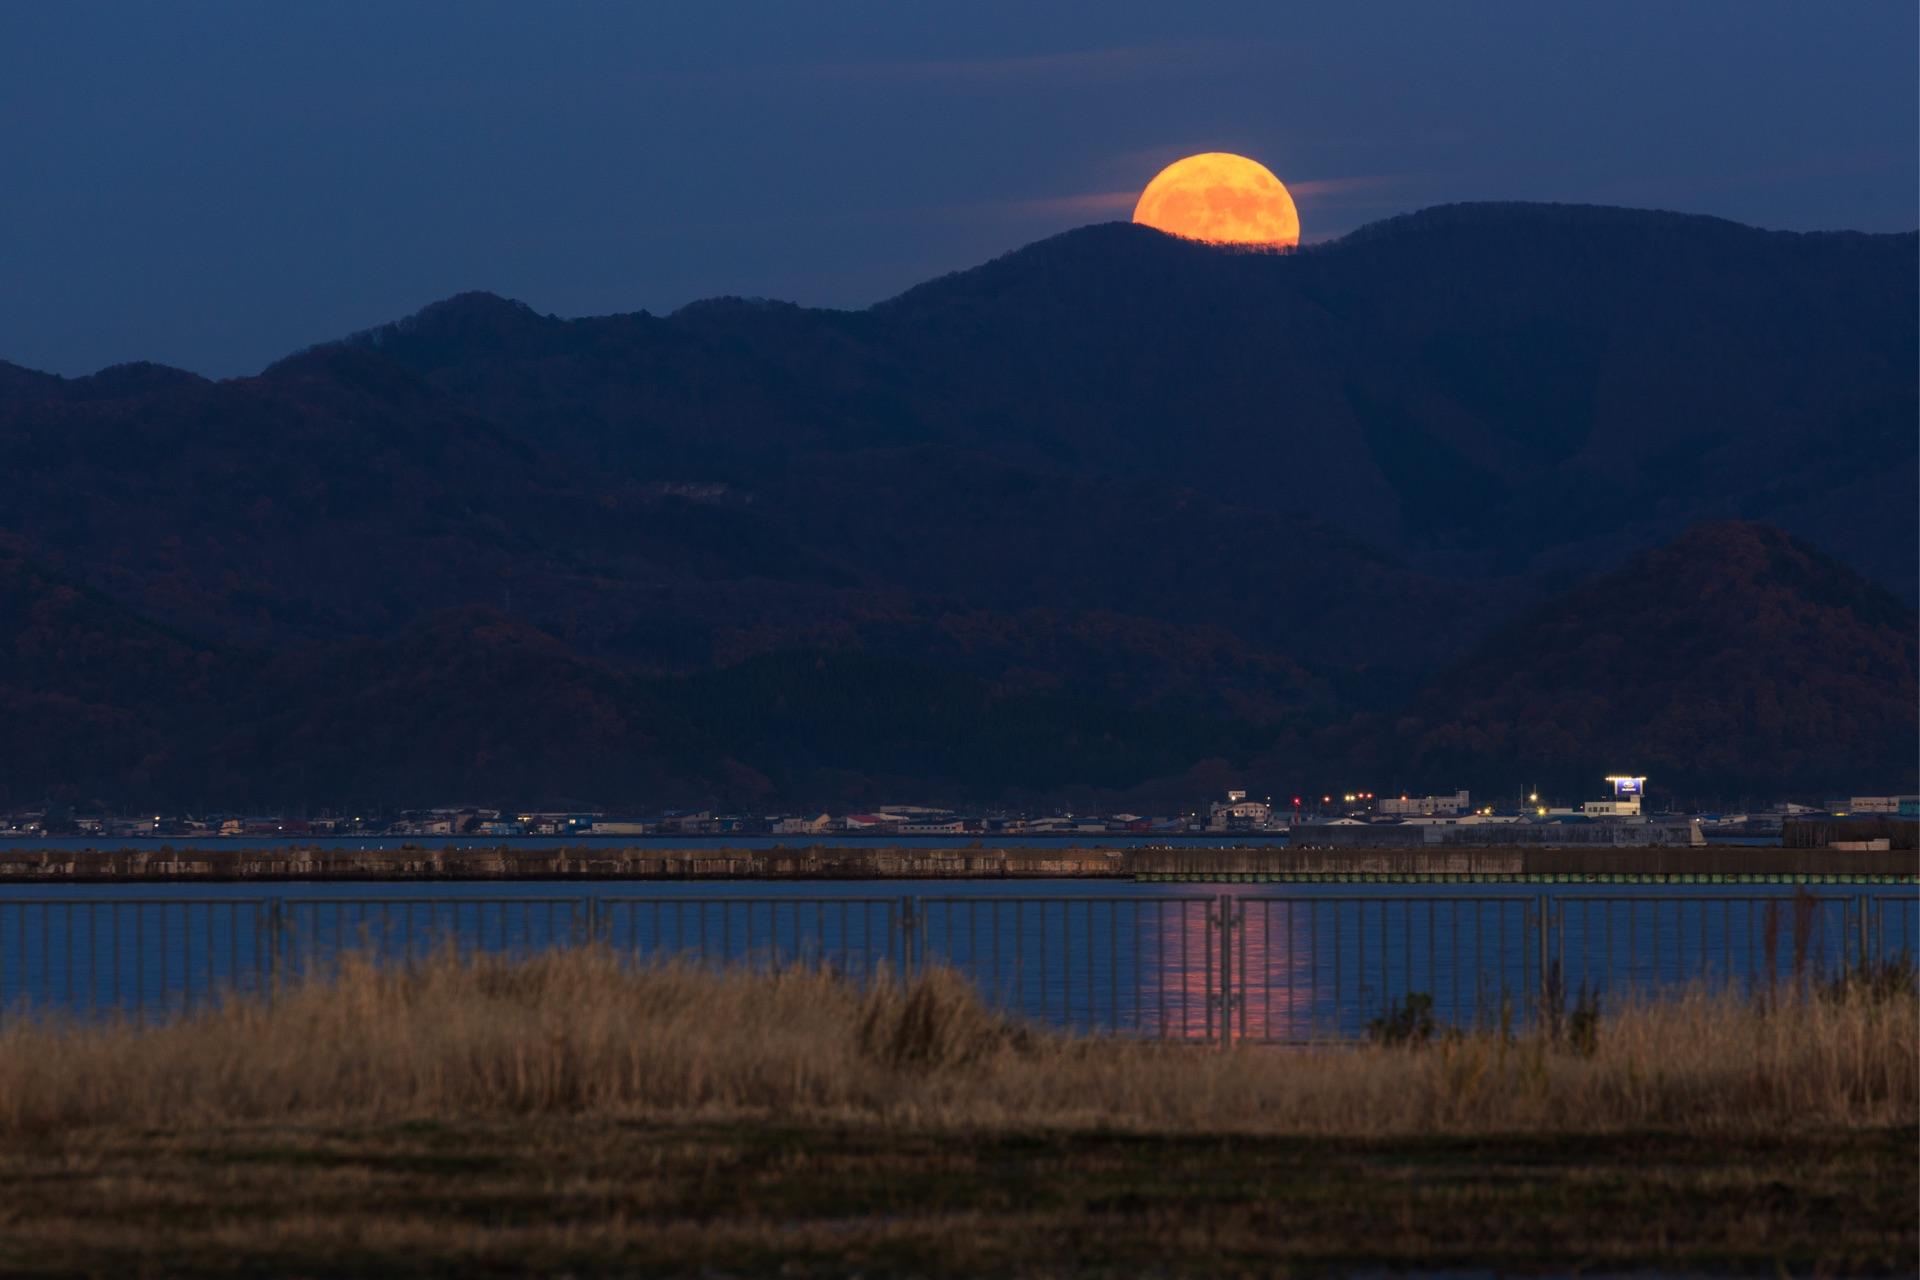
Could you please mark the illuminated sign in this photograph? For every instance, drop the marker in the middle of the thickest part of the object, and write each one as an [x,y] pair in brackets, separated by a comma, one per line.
[1627,786]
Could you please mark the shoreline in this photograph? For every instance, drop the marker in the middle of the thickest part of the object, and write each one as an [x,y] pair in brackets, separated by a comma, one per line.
[1244,864]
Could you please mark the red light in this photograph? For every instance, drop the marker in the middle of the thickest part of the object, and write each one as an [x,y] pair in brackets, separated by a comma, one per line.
[1296,802]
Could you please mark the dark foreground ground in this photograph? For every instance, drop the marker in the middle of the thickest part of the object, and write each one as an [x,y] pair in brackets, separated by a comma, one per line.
[578,1197]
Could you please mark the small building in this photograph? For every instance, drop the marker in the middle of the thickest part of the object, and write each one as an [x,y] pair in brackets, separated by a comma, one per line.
[1627,790]
[1424,806]
[1907,805]
[914,812]
[1237,813]
[870,823]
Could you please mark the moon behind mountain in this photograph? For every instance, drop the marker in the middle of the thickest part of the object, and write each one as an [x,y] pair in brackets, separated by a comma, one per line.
[1220,198]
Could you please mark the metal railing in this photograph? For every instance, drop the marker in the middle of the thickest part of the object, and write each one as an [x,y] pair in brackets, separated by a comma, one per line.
[1314,968]
[308,937]
[1604,942]
[1275,968]
[856,937]
[143,958]
[1135,965]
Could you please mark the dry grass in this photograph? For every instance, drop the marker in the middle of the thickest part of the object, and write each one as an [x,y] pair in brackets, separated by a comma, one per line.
[578,1032]
[571,1116]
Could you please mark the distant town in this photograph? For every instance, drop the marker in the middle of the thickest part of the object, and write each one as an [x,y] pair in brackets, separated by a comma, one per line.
[1352,817]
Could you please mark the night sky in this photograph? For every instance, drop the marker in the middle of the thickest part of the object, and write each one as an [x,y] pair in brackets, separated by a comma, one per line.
[212,186]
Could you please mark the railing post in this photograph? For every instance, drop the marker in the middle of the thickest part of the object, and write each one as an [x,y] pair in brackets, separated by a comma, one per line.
[1211,918]
[1225,908]
[593,919]
[909,932]
[1866,948]
[1236,995]
[1546,985]
[276,929]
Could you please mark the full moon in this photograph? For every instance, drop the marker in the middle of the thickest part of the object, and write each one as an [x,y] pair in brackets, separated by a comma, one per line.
[1222,198]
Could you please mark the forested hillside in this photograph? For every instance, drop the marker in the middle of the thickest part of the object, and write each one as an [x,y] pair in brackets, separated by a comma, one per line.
[1099,515]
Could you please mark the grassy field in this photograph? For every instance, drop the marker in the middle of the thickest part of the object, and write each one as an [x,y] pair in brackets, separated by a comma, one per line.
[569,1116]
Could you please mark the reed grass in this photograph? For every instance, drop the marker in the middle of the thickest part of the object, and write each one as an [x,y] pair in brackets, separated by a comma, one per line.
[581,1033]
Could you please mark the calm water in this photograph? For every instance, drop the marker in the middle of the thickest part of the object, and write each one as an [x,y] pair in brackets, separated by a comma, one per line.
[1305,962]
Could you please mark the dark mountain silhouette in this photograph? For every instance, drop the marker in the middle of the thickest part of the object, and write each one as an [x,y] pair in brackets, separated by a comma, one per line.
[1160,501]
[88,690]
[1736,659]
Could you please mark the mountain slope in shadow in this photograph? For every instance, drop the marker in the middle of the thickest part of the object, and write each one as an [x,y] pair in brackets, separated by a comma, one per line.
[1735,658]
[1114,478]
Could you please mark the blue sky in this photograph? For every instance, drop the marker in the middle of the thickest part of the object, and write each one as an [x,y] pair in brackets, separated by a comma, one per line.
[212,185]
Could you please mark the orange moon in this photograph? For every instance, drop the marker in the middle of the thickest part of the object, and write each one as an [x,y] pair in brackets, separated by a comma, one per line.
[1222,198]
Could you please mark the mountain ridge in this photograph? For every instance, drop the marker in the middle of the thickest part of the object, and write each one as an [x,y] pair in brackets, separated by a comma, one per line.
[1416,220]
[1111,471]
[1731,646]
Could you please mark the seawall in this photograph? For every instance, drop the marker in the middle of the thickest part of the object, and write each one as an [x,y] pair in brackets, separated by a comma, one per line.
[1250,864]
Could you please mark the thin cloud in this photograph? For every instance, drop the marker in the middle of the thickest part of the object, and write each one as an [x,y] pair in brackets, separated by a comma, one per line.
[1149,161]
[1077,66]
[1109,205]
[1315,188]
[1089,204]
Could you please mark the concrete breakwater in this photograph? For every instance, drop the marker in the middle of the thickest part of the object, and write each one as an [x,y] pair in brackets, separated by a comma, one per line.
[1247,864]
